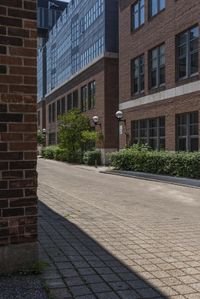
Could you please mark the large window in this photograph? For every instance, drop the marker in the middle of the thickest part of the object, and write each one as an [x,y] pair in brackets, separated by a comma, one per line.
[187,53]
[149,131]
[137,14]
[53,112]
[75,99]
[155,6]
[187,131]
[137,74]
[157,66]
[84,98]
[63,106]
[69,102]
[58,108]
[50,113]
[91,94]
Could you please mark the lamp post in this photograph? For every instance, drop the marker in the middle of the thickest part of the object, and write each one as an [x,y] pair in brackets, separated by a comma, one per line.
[120,117]
[44,132]
[95,120]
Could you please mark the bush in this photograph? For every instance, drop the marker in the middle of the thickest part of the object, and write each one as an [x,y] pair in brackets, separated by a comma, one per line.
[176,164]
[92,157]
[49,152]
[55,152]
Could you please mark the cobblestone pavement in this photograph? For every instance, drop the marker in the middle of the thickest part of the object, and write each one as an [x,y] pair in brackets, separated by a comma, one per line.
[116,237]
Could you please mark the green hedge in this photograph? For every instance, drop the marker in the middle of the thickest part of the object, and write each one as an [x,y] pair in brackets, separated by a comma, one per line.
[92,157]
[55,152]
[142,160]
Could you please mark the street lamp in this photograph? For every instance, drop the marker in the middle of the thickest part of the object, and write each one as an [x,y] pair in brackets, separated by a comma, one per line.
[119,115]
[95,120]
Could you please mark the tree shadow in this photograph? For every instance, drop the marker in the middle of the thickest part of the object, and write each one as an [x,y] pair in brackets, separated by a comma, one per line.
[80,267]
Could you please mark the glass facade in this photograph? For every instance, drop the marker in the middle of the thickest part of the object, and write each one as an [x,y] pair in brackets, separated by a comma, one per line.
[79,37]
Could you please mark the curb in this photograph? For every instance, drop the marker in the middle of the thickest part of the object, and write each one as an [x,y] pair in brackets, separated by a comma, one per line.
[185,182]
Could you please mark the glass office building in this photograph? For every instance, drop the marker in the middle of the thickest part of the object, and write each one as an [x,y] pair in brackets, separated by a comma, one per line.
[80,37]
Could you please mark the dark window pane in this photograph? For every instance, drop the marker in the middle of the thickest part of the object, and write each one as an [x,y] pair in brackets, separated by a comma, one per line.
[194,144]
[75,99]
[182,144]
[69,102]
[154,78]
[153,143]
[162,144]
[182,67]
[194,63]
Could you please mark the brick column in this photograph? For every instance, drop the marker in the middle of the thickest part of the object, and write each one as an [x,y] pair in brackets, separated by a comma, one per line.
[18,177]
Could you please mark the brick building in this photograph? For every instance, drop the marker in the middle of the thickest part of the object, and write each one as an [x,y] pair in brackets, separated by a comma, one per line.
[18,125]
[159,90]
[82,68]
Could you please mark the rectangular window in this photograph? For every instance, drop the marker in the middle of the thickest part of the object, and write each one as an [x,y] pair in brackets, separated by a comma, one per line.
[52,138]
[75,99]
[38,118]
[91,94]
[53,112]
[50,112]
[157,66]
[58,108]
[137,14]
[149,131]
[69,102]
[187,131]
[137,75]
[84,98]
[187,53]
[156,6]
[63,106]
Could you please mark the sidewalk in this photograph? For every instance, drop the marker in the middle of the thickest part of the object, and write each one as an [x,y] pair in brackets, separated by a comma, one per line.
[154,177]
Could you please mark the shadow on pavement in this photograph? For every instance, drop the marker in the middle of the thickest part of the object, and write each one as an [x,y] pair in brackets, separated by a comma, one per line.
[80,267]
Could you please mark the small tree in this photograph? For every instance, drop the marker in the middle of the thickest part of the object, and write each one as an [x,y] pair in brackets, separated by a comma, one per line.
[40,138]
[75,132]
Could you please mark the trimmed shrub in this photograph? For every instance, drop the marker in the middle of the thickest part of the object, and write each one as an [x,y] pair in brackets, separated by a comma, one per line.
[49,152]
[92,157]
[54,152]
[176,164]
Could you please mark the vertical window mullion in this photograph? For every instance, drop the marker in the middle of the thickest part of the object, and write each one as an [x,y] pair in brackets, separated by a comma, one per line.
[139,135]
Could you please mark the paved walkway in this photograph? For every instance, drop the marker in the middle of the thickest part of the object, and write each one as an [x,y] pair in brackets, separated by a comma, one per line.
[115,237]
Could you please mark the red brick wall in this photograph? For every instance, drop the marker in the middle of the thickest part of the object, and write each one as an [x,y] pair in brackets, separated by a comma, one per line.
[18,177]
[177,17]
[105,74]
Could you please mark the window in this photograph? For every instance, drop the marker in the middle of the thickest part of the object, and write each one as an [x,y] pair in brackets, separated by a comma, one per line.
[149,131]
[137,74]
[58,108]
[62,105]
[38,117]
[91,94]
[137,14]
[69,102]
[156,6]
[84,98]
[187,53]
[53,112]
[75,99]
[52,138]
[157,66]
[50,112]
[187,126]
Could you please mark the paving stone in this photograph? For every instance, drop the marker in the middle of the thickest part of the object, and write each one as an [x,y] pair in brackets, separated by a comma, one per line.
[100,287]
[61,294]
[80,290]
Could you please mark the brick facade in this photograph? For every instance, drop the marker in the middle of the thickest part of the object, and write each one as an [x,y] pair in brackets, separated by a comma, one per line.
[177,17]
[18,125]
[105,74]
